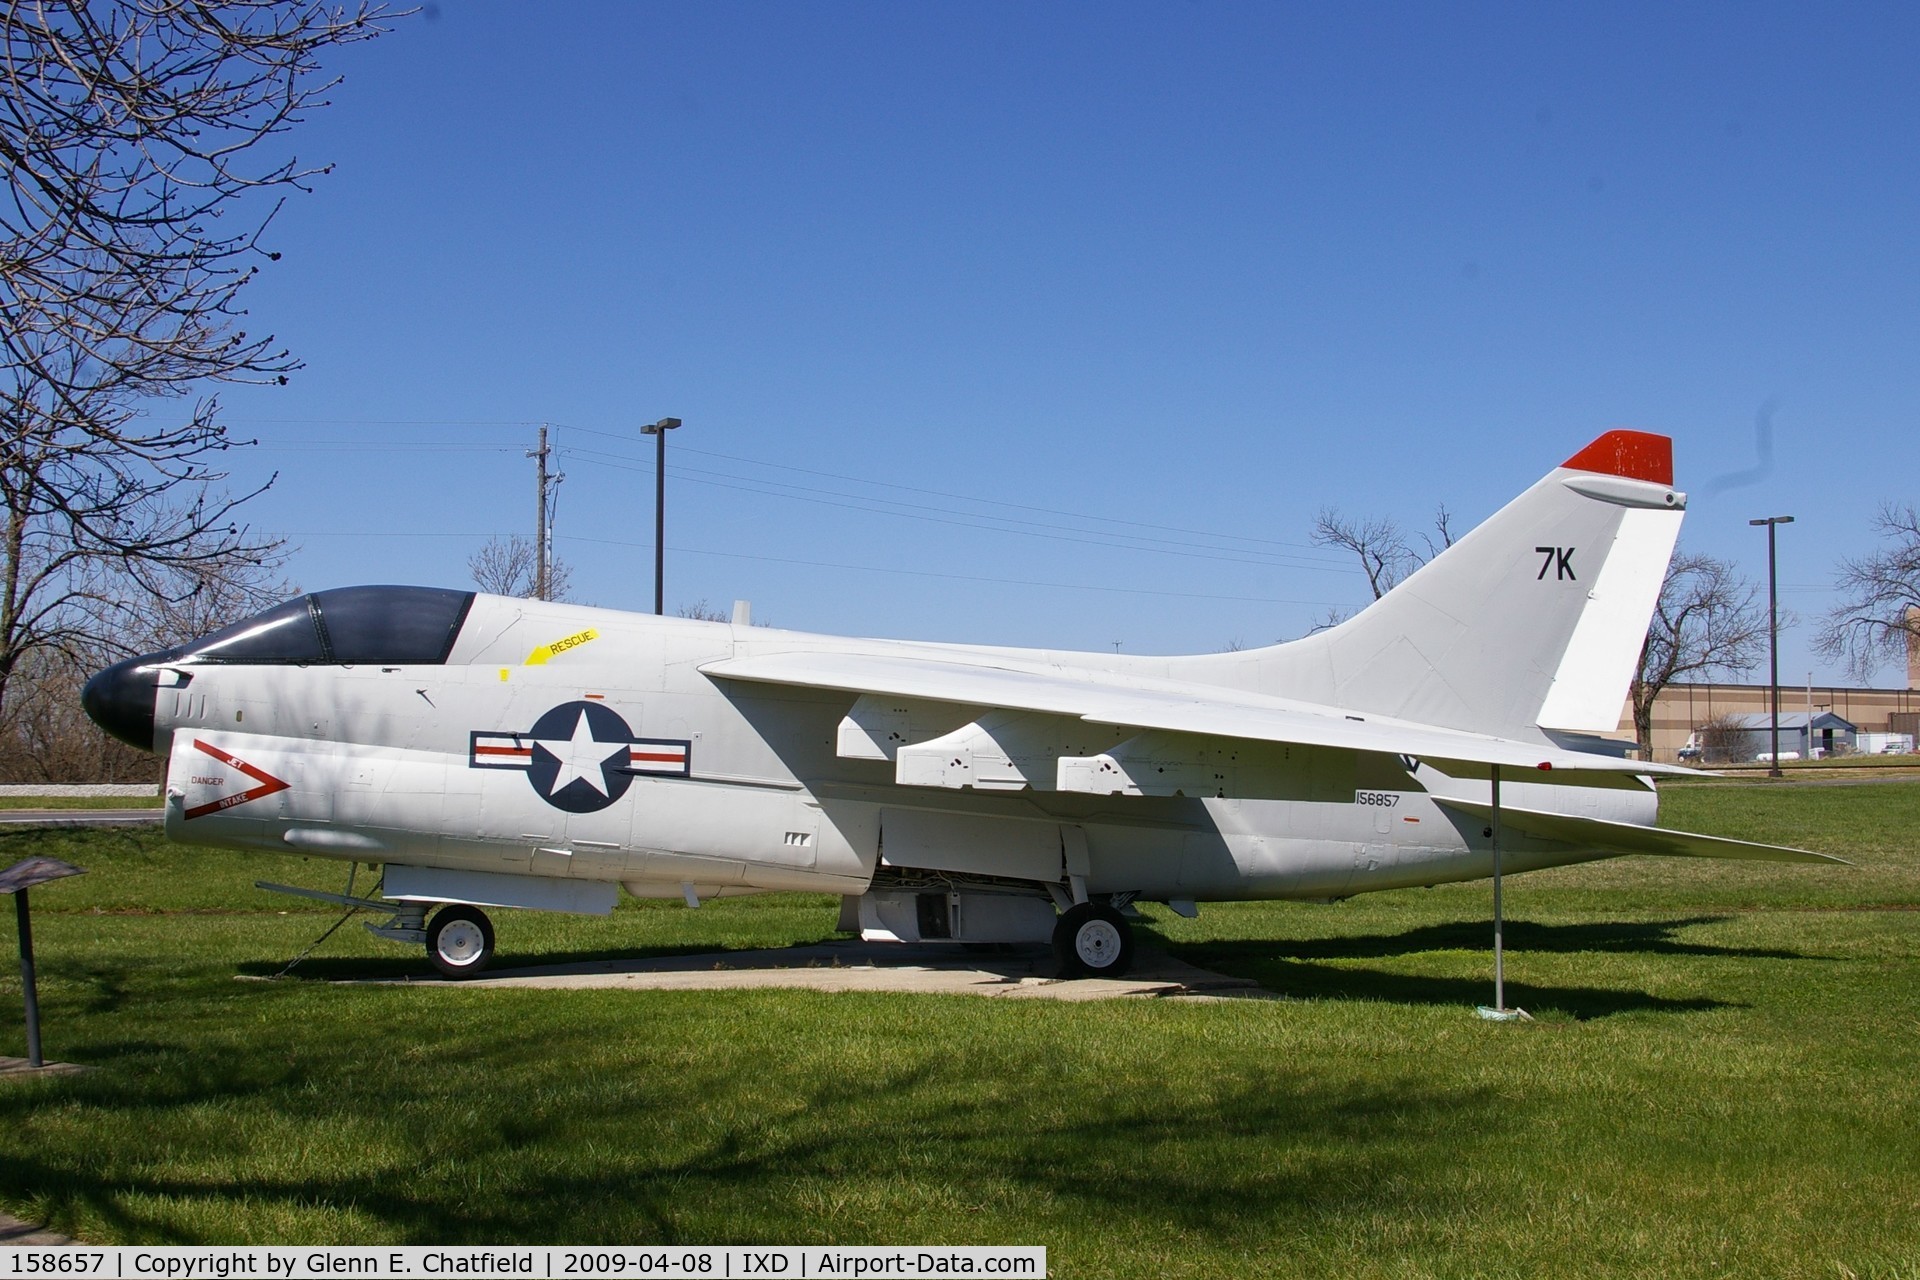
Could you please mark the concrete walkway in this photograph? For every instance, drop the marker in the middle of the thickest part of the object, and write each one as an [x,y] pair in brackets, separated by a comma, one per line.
[1017,973]
[15,1234]
[81,817]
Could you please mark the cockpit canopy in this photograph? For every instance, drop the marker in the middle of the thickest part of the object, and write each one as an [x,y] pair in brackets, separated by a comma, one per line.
[391,625]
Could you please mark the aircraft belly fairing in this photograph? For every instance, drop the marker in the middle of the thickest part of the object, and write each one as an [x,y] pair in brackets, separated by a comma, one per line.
[499,752]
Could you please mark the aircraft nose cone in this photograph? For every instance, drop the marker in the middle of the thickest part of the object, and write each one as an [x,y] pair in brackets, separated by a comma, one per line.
[120,700]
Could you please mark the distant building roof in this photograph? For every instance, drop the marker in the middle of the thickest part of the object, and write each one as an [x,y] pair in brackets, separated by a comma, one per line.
[1795,721]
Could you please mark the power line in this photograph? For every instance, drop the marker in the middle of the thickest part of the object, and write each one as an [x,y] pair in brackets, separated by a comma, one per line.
[956,577]
[389,422]
[962,497]
[397,446]
[967,520]
[1294,562]
[832,564]
[1112,539]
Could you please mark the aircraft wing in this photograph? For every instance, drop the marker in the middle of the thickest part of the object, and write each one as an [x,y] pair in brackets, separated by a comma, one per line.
[1178,707]
[1624,837]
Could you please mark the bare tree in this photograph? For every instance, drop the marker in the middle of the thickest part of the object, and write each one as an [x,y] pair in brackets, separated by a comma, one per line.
[1705,621]
[44,735]
[1722,739]
[1442,536]
[1378,543]
[1385,552]
[1877,619]
[198,600]
[140,140]
[507,569]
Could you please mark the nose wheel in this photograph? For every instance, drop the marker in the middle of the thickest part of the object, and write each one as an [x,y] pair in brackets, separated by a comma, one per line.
[460,940]
[1092,940]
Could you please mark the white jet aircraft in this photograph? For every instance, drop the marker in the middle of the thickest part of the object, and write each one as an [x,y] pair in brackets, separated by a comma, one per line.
[495,752]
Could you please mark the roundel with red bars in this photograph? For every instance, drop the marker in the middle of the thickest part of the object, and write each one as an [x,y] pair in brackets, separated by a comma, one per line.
[580,756]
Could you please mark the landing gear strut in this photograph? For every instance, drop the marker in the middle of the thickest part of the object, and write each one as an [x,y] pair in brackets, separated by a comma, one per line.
[460,940]
[1093,940]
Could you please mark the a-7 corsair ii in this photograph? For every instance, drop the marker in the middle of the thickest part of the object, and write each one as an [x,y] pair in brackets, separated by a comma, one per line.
[496,752]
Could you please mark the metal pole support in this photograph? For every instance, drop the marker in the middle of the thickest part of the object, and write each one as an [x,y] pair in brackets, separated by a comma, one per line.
[27,985]
[660,523]
[1499,918]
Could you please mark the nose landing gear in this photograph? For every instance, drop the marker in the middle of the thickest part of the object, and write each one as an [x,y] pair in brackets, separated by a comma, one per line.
[460,940]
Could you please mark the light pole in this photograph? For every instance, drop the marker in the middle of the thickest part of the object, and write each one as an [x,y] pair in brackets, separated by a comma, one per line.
[1773,642]
[659,431]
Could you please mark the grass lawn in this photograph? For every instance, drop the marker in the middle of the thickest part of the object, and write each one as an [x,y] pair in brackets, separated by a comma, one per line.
[81,802]
[1720,1080]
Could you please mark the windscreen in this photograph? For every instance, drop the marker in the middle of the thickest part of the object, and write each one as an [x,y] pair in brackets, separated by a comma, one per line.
[392,625]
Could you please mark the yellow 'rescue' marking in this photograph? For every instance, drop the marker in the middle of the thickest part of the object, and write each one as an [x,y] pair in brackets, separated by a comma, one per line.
[540,656]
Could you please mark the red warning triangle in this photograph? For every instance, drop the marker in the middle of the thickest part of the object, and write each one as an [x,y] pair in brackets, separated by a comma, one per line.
[268,783]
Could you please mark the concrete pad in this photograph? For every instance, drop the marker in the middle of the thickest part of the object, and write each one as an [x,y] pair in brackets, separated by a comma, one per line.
[81,817]
[1022,973]
[17,1234]
[10,1067]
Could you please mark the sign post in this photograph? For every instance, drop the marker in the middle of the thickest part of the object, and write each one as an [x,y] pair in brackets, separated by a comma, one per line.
[16,880]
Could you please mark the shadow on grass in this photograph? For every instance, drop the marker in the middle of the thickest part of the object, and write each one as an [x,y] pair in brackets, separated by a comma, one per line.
[1257,1149]
[412,962]
[1648,937]
[1287,967]
[1305,981]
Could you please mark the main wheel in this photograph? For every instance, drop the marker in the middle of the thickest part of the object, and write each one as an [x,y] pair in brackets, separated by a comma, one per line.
[460,940]
[1093,940]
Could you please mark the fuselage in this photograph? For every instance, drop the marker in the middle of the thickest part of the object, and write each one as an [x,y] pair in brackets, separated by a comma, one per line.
[584,744]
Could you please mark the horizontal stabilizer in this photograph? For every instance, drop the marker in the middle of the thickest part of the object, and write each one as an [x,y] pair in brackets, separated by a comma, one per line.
[1173,706]
[1625,837]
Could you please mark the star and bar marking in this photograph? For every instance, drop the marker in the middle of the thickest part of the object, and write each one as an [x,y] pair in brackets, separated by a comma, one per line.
[581,756]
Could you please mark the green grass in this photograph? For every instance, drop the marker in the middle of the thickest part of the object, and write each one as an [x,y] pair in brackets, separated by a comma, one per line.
[1907,763]
[1719,1081]
[82,802]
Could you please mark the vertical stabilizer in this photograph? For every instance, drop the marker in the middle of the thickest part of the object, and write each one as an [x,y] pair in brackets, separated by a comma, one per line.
[1533,621]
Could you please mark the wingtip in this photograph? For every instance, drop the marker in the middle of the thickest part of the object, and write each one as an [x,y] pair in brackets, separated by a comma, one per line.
[1638,455]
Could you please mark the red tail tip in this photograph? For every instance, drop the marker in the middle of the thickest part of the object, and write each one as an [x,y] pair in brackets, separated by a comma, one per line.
[1638,455]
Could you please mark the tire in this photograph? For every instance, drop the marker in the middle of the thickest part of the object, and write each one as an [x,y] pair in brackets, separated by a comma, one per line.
[460,940]
[1093,940]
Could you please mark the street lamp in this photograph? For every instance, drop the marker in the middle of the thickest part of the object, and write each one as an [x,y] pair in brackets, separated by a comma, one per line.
[1773,642]
[659,431]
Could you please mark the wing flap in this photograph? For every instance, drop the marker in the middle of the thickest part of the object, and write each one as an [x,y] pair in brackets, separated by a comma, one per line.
[1625,837]
[1179,707]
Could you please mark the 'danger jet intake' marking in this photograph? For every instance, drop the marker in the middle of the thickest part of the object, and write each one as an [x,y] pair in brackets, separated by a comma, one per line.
[580,756]
[268,783]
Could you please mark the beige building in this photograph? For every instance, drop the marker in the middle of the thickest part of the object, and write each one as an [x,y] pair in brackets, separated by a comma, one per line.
[1682,708]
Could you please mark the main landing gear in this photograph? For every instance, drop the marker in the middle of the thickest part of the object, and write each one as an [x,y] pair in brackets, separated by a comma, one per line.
[460,940]
[1093,940]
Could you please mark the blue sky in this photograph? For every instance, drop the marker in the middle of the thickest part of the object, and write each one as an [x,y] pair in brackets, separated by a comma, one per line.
[1055,324]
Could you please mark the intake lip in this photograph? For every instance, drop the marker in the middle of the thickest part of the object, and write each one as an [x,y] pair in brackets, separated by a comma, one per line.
[121,699]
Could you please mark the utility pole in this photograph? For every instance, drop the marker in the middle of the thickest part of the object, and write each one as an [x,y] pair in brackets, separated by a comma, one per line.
[540,516]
